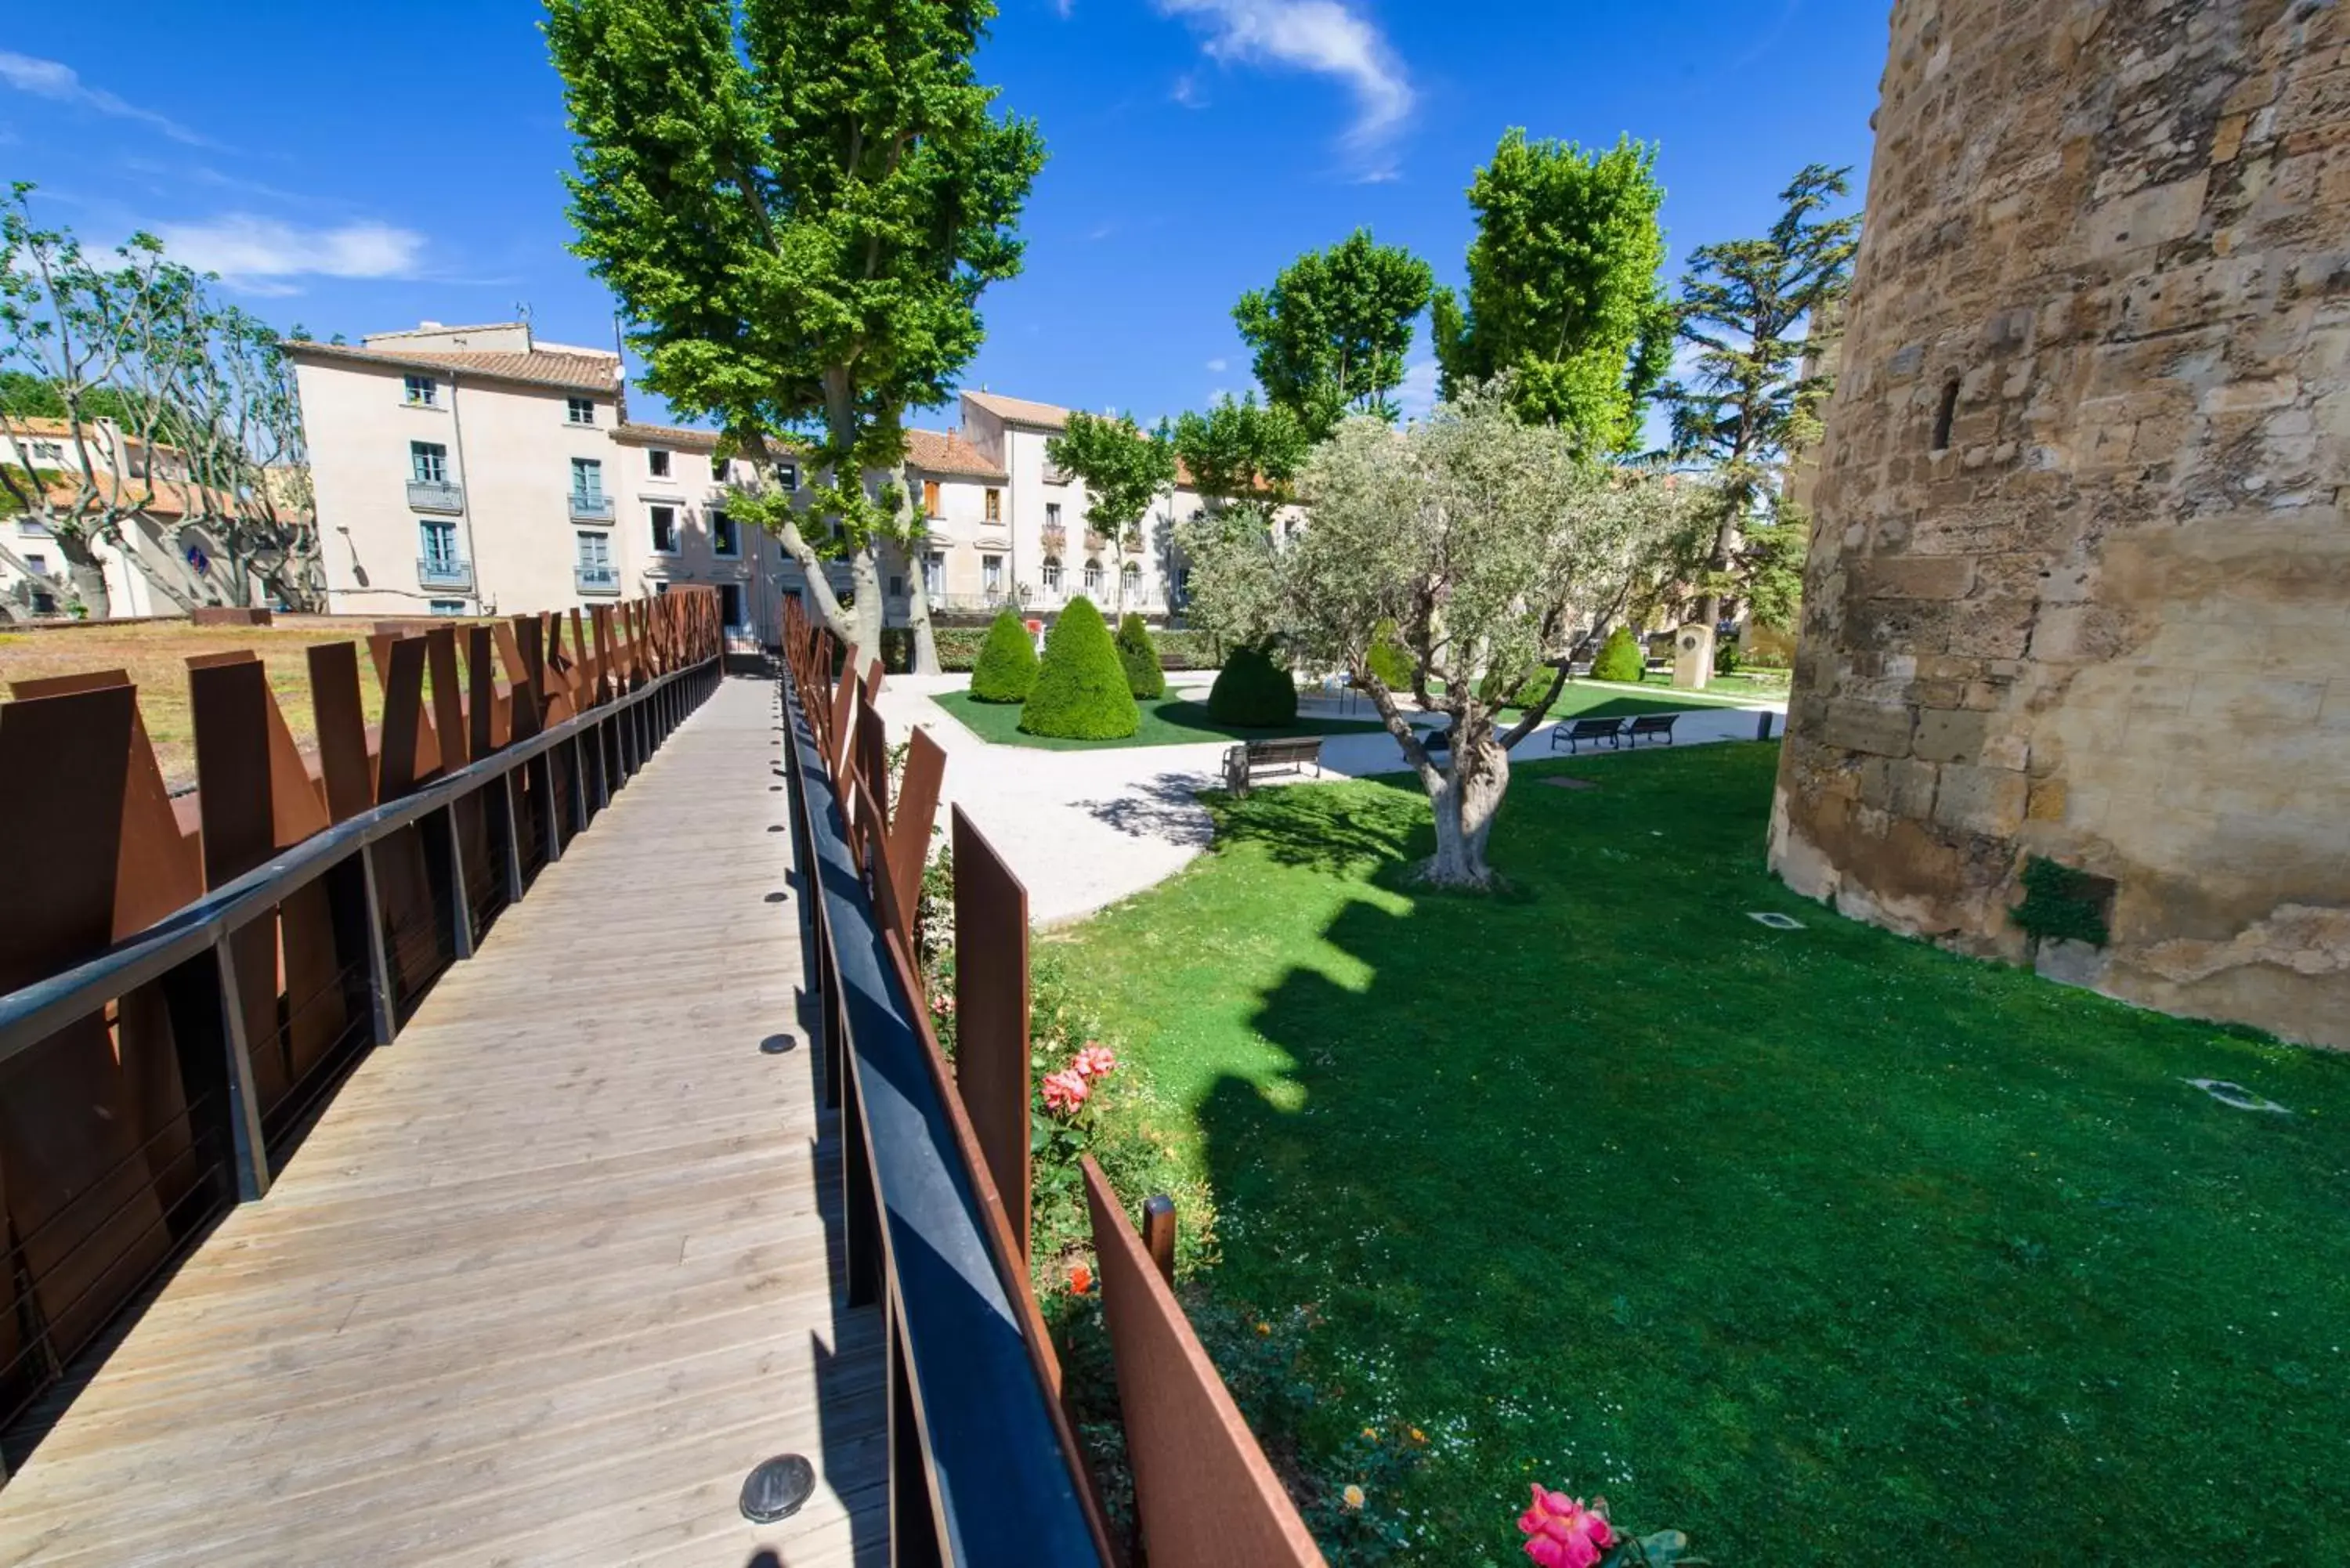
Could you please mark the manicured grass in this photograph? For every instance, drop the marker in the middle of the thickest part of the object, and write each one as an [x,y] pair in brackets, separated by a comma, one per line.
[1173,721]
[1822,1245]
[1166,721]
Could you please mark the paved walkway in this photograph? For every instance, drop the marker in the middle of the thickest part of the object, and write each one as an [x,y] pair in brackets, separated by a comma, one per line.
[551,1274]
[1085,829]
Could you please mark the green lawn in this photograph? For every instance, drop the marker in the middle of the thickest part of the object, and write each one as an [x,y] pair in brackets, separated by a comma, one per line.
[1167,721]
[1175,722]
[1821,1245]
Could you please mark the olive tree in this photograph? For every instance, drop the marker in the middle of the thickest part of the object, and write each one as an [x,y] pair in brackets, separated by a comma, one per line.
[1476,540]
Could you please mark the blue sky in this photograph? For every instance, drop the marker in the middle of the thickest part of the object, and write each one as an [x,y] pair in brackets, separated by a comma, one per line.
[361,168]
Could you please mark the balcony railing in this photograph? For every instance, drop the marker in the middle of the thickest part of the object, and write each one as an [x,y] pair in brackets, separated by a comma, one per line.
[432,573]
[604,579]
[1095,543]
[989,599]
[435,495]
[590,506]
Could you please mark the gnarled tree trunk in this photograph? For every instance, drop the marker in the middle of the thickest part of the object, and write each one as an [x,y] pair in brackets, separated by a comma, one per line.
[84,571]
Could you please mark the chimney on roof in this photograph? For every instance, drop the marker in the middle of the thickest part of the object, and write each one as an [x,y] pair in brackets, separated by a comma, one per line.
[428,326]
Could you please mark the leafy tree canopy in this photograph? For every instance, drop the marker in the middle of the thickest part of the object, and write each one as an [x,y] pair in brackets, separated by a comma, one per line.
[1760,315]
[1563,288]
[1125,467]
[1331,333]
[1243,450]
[798,204]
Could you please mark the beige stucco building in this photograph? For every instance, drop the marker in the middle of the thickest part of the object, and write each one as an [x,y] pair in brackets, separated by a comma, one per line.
[157,563]
[469,470]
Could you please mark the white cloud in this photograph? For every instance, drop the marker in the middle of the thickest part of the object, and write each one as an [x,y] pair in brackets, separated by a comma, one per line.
[1324,37]
[1216,367]
[59,82]
[259,253]
[1417,394]
[1187,91]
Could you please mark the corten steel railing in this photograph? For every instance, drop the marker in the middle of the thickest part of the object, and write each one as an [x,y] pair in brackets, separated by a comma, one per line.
[186,982]
[984,1467]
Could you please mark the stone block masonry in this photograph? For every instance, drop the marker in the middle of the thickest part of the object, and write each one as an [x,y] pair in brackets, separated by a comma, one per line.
[2080,574]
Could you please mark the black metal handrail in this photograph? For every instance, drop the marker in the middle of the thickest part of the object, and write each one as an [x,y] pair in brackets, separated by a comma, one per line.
[978,1476]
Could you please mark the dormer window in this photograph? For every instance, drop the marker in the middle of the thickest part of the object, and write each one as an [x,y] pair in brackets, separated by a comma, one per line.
[580,410]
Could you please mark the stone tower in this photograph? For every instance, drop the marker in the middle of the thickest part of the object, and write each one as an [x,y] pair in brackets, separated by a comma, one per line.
[2080,579]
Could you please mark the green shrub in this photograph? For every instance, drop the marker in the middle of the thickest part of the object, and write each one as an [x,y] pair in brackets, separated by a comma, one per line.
[1143,676]
[1187,651]
[958,647]
[1081,693]
[1253,691]
[1006,671]
[1726,657]
[1620,658]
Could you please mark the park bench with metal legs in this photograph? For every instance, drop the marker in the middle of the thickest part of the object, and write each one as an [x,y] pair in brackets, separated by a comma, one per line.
[1244,761]
[1595,730]
[1656,725]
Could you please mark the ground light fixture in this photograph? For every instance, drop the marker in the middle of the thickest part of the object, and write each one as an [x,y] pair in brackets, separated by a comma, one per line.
[1775,920]
[778,1488]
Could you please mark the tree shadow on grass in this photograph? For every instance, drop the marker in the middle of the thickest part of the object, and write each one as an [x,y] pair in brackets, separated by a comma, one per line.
[1816,1243]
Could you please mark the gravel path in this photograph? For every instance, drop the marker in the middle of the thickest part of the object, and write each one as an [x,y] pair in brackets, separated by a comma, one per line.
[1085,829]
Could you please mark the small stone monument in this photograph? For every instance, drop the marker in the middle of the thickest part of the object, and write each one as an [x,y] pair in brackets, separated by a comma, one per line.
[1692,656]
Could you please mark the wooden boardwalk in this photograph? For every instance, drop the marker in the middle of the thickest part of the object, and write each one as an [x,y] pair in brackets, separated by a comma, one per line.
[552,1272]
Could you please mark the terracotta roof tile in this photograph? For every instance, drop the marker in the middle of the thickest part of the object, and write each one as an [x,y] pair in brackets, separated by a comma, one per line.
[947,453]
[581,372]
[1020,411]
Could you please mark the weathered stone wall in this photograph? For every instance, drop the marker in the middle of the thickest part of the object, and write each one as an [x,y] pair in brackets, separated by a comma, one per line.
[2080,581]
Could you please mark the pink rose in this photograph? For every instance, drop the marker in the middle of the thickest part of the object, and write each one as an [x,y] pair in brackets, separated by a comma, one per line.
[1565,1533]
[1065,1091]
[1094,1061]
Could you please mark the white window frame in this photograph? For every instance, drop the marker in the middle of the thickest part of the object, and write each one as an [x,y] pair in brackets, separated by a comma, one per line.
[591,469]
[1093,575]
[653,529]
[579,411]
[787,476]
[991,574]
[934,572]
[420,392]
[656,461]
[447,606]
[427,453]
[602,553]
[1051,573]
[715,516]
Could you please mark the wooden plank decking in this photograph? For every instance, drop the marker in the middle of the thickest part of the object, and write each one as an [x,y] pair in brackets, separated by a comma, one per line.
[552,1272]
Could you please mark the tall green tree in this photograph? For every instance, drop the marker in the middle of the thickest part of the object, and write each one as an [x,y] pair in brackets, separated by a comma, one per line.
[1477,541]
[1243,450]
[1331,333]
[1563,292]
[1760,315]
[171,403]
[1125,467]
[798,204]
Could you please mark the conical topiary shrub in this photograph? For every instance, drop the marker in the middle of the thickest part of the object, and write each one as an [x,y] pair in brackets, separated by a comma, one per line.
[1143,676]
[1080,692]
[1253,691]
[1006,669]
[1621,658]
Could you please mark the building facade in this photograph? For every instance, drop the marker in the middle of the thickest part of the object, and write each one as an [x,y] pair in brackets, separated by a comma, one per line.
[157,563]
[463,469]
[2079,588]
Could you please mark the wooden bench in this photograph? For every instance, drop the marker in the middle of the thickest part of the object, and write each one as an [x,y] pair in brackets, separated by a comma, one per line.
[1592,730]
[1244,761]
[1651,724]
